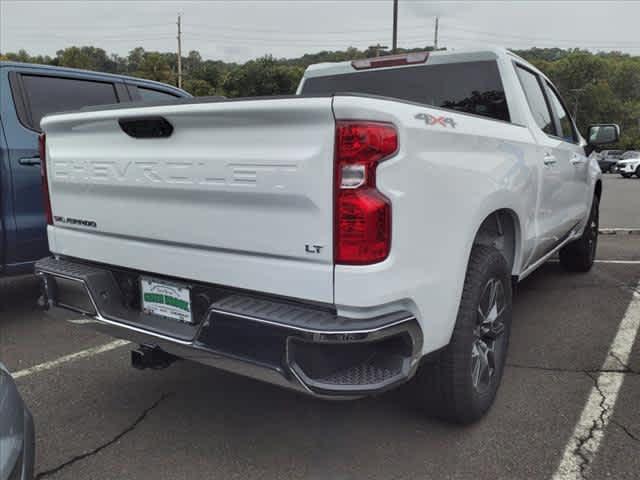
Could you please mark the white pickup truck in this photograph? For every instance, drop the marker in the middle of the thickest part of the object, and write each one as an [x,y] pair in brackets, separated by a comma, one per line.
[359,235]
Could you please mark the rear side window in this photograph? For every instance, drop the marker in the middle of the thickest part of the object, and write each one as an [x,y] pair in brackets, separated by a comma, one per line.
[45,95]
[150,95]
[567,132]
[536,100]
[470,87]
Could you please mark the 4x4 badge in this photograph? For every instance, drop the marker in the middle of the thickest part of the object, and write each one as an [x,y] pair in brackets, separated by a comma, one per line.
[433,120]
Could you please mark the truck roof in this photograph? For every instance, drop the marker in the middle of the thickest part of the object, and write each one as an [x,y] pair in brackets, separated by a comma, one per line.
[92,73]
[435,57]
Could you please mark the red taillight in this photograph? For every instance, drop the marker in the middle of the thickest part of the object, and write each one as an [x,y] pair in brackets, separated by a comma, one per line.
[362,213]
[43,176]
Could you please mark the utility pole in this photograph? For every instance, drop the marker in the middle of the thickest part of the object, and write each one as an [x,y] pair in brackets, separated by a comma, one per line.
[435,36]
[395,27]
[179,51]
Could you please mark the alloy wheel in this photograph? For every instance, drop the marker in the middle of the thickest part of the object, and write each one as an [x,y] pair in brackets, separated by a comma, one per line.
[488,335]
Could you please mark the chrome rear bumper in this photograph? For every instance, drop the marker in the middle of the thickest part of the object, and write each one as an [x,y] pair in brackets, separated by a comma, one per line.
[299,346]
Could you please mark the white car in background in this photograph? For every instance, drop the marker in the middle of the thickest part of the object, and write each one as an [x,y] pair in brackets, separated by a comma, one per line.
[629,164]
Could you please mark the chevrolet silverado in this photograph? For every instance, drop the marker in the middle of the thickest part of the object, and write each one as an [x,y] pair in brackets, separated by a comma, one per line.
[359,235]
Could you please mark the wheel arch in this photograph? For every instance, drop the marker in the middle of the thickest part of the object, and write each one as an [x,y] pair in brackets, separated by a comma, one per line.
[501,230]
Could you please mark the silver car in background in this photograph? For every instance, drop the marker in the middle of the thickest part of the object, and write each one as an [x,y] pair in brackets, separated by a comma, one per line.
[17,439]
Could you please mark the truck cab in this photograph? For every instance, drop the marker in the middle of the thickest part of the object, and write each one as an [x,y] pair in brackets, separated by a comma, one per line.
[27,93]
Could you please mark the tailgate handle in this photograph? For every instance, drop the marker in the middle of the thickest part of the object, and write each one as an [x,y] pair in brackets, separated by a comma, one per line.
[146,127]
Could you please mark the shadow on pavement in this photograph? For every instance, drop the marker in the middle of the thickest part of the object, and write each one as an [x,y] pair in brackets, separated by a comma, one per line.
[18,295]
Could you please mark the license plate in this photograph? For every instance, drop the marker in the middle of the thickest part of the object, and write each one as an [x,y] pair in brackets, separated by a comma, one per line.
[166,299]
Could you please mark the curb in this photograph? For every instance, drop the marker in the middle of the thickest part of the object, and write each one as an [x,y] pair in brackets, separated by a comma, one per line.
[619,231]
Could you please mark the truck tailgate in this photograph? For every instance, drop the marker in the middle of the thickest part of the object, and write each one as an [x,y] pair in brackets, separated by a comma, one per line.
[240,193]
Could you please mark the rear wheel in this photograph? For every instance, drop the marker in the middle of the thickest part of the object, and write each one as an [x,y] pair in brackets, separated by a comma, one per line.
[578,256]
[638,171]
[461,384]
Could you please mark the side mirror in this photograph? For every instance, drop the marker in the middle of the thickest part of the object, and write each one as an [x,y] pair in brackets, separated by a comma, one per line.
[603,134]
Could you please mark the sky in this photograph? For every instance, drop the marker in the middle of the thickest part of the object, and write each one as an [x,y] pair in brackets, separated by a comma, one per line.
[241,30]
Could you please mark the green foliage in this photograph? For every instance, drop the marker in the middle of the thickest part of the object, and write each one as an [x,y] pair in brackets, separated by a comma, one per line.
[264,76]
[605,87]
[198,87]
[87,58]
[155,66]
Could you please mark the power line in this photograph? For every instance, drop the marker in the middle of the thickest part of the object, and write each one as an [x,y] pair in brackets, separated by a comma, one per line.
[109,27]
[535,39]
[274,38]
[408,35]
[279,42]
[243,29]
[283,38]
[541,44]
[283,41]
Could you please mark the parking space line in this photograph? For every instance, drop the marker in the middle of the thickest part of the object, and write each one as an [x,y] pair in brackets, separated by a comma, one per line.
[90,352]
[583,446]
[614,231]
[622,262]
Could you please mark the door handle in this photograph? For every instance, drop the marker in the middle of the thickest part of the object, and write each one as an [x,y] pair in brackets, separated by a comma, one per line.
[549,159]
[576,159]
[30,161]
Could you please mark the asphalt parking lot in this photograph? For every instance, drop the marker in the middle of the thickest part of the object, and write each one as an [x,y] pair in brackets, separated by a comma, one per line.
[569,404]
[619,206]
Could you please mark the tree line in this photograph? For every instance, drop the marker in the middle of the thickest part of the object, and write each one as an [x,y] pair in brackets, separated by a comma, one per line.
[601,87]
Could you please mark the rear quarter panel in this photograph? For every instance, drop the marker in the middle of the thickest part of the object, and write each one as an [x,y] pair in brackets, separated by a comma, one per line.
[443,182]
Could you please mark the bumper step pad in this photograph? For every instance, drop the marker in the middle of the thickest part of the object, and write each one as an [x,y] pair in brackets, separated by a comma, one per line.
[363,374]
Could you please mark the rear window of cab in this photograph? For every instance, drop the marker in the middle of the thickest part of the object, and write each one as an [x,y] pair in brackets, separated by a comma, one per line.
[469,87]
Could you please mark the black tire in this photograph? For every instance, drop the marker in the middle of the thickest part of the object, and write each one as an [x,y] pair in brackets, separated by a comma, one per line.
[625,175]
[579,255]
[638,171]
[446,386]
